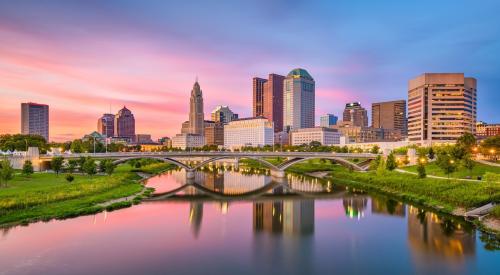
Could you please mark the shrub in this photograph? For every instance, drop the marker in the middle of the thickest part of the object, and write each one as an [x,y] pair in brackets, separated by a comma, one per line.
[69,178]
[6,172]
[421,171]
[27,168]
[89,167]
[391,162]
[56,164]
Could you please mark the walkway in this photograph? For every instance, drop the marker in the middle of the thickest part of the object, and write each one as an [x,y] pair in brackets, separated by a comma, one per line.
[435,177]
[482,161]
[144,176]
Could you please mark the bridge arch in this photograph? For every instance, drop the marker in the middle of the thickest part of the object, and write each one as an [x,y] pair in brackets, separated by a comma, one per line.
[164,159]
[263,161]
[283,166]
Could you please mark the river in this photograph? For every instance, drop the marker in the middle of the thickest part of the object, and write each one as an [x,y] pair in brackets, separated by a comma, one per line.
[299,226]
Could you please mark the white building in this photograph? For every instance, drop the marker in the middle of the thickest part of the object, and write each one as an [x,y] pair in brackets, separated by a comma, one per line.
[298,100]
[184,141]
[326,136]
[255,132]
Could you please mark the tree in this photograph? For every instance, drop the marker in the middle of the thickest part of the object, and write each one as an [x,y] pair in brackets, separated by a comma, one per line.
[70,178]
[109,167]
[421,170]
[466,141]
[375,149]
[391,162]
[72,164]
[56,164]
[102,165]
[446,163]
[468,163]
[6,172]
[375,162]
[431,153]
[314,143]
[89,167]
[27,168]
[381,168]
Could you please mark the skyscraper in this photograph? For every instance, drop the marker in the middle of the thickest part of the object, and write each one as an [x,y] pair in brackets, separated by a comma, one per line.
[196,115]
[390,115]
[35,119]
[125,124]
[223,114]
[273,100]
[106,125]
[298,100]
[356,114]
[258,96]
[328,120]
[441,107]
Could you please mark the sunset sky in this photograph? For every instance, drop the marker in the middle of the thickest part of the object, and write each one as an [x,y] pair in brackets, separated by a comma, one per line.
[81,57]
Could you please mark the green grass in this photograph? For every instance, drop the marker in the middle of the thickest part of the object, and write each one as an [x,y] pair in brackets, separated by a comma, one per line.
[478,170]
[44,196]
[496,212]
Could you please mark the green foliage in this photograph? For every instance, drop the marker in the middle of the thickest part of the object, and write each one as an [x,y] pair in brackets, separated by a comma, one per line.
[391,162]
[421,171]
[89,167]
[109,167]
[56,164]
[27,168]
[72,164]
[69,178]
[6,172]
[446,163]
[381,169]
[375,149]
[80,162]
[432,154]
[20,142]
[374,164]
[468,163]
[466,141]
[496,212]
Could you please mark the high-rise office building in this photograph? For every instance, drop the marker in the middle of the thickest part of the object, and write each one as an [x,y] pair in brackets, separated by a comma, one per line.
[35,119]
[390,115]
[125,124]
[106,125]
[356,114]
[273,100]
[328,120]
[196,115]
[441,107]
[298,100]
[258,96]
[214,133]
[223,114]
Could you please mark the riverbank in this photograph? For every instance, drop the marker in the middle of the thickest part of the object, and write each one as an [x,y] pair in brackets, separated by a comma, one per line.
[451,197]
[46,196]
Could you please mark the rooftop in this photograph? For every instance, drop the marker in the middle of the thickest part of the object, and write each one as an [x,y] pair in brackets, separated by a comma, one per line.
[300,73]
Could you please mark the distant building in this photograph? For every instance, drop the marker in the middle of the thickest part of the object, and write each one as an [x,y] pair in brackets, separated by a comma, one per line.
[184,141]
[223,114]
[143,139]
[185,127]
[165,141]
[106,125]
[298,100]
[356,114]
[98,137]
[258,96]
[214,133]
[484,130]
[255,132]
[323,135]
[282,138]
[273,100]
[328,120]
[125,124]
[35,119]
[359,134]
[390,115]
[196,114]
[441,107]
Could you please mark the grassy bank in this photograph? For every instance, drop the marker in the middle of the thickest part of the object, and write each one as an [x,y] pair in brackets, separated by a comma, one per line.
[44,196]
[462,173]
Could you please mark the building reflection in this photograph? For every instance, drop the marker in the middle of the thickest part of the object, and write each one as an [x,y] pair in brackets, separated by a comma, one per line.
[195,213]
[386,206]
[432,237]
[288,217]
[355,206]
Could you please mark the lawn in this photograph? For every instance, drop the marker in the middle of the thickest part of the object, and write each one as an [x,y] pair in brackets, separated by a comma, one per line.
[42,196]
[478,170]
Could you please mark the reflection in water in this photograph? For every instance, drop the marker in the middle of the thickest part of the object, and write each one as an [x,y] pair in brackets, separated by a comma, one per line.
[432,236]
[354,206]
[288,217]
[388,206]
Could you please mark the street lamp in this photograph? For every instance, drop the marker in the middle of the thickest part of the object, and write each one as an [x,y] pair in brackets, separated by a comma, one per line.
[422,160]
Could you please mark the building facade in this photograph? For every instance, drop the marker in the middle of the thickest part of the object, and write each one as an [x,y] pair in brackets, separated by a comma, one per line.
[441,107]
[214,133]
[106,125]
[258,96]
[125,124]
[359,134]
[255,132]
[323,135]
[196,115]
[35,119]
[223,114]
[390,115]
[184,141]
[356,114]
[143,139]
[273,100]
[298,100]
[484,130]
[328,120]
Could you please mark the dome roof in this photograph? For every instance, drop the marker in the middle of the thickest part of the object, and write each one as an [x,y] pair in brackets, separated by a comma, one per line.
[299,73]
[124,111]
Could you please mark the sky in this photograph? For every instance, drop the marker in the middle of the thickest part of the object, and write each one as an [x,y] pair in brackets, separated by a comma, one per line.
[85,58]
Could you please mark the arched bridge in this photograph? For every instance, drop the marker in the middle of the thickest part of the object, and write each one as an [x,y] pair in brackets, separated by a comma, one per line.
[345,159]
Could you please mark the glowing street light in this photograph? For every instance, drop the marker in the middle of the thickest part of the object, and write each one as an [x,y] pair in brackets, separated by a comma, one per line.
[452,161]
[422,160]
[492,151]
[474,149]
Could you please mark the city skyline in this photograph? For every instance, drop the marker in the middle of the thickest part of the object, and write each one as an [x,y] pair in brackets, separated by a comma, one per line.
[149,65]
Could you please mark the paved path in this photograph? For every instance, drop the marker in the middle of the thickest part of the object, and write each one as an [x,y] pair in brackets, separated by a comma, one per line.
[144,176]
[435,177]
[488,162]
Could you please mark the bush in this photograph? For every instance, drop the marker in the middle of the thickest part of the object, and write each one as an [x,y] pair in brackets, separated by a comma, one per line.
[56,164]
[89,167]
[6,172]
[421,171]
[27,168]
[69,178]
[391,162]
